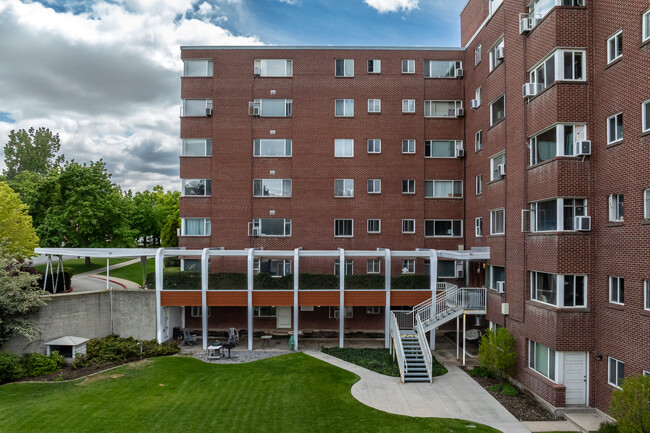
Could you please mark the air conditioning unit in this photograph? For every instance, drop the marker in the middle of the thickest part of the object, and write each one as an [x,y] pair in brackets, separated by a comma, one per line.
[529,90]
[583,223]
[459,72]
[580,2]
[460,112]
[501,286]
[460,273]
[582,148]
[525,23]
[499,53]
[501,169]
[255,231]
[505,309]
[208,111]
[475,103]
[460,152]
[257,70]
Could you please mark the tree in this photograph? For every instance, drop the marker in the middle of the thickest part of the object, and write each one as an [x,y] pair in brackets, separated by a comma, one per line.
[17,236]
[497,352]
[169,234]
[631,405]
[32,150]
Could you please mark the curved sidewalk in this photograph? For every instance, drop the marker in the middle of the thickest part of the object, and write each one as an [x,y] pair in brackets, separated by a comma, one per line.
[453,395]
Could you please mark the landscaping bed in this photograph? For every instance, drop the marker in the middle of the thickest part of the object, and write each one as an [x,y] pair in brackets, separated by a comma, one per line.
[377,360]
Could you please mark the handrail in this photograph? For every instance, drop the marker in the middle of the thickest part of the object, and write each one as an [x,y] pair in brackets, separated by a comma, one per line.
[424,346]
[399,349]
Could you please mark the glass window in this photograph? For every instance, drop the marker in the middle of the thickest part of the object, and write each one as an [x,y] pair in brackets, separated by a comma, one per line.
[616,372]
[440,68]
[645,116]
[573,68]
[408,66]
[544,216]
[408,186]
[541,359]
[440,148]
[273,267]
[197,147]
[478,227]
[646,296]
[374,186]
[272,187]
[495,162]
[443,188]
[373,266]
[441,108]
[408,226]
[191,265]
[196,107]
[544,146]
[479,184]
[494,5]
[343,187]
[646,204]
[344,107]
[497,222]
[408,266]
[343,227]
[374,226]
[344,68]
[274,107]
[197,187]
[264,312]
[477,55]
[558,290]
[496,54]
[408,146]
[544,288]
[374,66]
[443,228]
[197,68]
[272,226]
[349,270]
[616,211]
[571,208]
[343,148]
[498,110]
[374,105]
[195,226]
[374,145]
[646,25]
[614,128]
[616,290]
[274,67]
[615,47]
[272,147]
[408,105]
[478,140]
[574,291]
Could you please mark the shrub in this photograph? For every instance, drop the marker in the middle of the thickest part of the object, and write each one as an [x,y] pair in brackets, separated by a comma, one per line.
[505,389]
[172,262]
[608,427]
[80,361]
[11,367]
[631,405]
[36,364]
[481,372]
[115,349]
[496,353]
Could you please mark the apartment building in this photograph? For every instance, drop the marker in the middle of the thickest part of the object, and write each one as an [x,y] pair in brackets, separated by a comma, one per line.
[532,139]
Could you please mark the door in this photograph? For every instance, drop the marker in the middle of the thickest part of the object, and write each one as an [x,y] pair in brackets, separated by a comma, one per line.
[284,317]
[575,377]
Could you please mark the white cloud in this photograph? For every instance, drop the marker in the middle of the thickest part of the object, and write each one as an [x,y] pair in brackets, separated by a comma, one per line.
[106,80]
[290,2]
[384,6]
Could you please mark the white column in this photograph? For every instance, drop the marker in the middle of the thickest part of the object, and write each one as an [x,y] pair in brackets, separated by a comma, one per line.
[387,313]
[341,295]
[296,307]
[47,269]
[205,264]
[160,254]
[251,263]
[464,327]
[433,280]
[457,337]
[182,318]
[108,287]
[108,284]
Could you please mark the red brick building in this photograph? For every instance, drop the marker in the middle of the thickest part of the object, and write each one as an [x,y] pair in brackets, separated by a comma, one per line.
[406,148]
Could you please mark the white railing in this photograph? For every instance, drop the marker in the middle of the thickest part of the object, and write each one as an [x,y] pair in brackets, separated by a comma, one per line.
[399,349]
[424,346]
[474,298]
[404,318]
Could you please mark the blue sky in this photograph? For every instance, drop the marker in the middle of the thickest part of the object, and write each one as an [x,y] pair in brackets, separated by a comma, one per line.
[105,74]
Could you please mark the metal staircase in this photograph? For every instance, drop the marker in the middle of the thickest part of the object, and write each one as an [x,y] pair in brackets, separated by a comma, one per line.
[416,368]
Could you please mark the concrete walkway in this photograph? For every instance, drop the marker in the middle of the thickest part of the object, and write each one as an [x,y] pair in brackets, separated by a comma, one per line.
[91,281]
[453,395]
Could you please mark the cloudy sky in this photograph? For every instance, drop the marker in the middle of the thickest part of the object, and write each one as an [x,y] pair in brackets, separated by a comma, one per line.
[105,75]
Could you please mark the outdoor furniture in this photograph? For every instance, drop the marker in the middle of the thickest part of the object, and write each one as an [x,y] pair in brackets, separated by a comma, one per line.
[188,338]
[266,341]
[215,350]
[233,335]
[229,345]
[473,334]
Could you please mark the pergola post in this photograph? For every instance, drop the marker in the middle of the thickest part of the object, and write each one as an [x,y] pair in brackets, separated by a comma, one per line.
[205,263]
[464,328]
[108,265]
[249,280]
[160,254]
[457,337]
[433,280]
[296,285]
[387,266]
[341,296]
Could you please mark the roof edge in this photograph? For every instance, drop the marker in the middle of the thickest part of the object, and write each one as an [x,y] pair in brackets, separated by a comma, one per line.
[323,47]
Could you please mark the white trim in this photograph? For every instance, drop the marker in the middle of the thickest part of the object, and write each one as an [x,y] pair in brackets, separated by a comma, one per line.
[344,63]
[345,114]
[646,295]
[645,26]
[618,293]
[374,103]
[433,189]
[376,143]
[344,143]
[409,103]
[645,107]
[442,236]
[346,186]
[411,62]
[375,183]
[611,57]
[492,122]
[478,184]
[492,221]
[408,192]
[609,371]
[408,142]
[613,208]
[478,140]
[532,356]
[374,262]
[408,220]
[373,232]
[351,235]
[614,117]
[559,286]
[478,228]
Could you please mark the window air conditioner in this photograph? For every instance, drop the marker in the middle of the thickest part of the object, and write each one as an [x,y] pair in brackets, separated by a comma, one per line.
[460,152]
[475,103]
[459,72]
[460,112]
[525,23]
[257,70]
[460,273]
[529,90]
[208,111]
[255,232]
[499,53]
[505,309]
[501,169]
[501,286]
[582,148]
[583,223]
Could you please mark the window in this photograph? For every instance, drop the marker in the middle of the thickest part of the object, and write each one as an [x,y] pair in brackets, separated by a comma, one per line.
[408,105]
[645,116]
[343,228]
[573,65]
[374,309]
[197,311]
[558,140]
[264,312]
[558,290]
[556,214]
[408,226]
[343,148]
[615,128]
[496,54]
[477,55]
[408,266]
[616,211]
[615,47]
[374,226]
[477,95]
[498,110]
[617,290]
[478,227]
[344,68]
[494,275]
[344,108]
[564,65]
[646,204]
[349,267]
[479,184]
[191,265]
[274,67]
[443,188]
[276,227]
[195,226]
[343,187]
[441,148]
[197,187]
[494,5]
[374,186]
[408,186]
[334,312]
[197,147]
[646,295]
[272,147]
[408,146]
[373,266]
[541,359]
[196,107]
[442,108]
[273,107]
[441,68]
[495,162]
[275,268]
[197,68]
[443,228]
[374,66]
[374,105]
[271,187]
[646,26]
[374,145]
[478,140]
[446,269]
[408,66]
[616,372]
[497,222]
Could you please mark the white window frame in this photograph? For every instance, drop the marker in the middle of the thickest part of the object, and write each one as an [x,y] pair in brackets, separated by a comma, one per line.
[288,107]
[645,35]
[478,141]
[260,144]
[206,182]
[561,204]
[493,166]
[373,266]
[408,106]
[408,146]
[207,147]
[374,145]
[614,118]
[286,228]
[457,104]
[560,280]
[351,235]
[208,104]
[374,186]
[617,290]
[288,67]
[433,222]
[532,352]
[408,266]
[494,63]
[494,5]
[257,311]
[454,184]
[410,66]
[370,221]
[492,119]
[209,67]
[349,269]
[490,281]
[478,227]
[347,184]
[645,113]
[344,102]
[612,55]
[457,64]
[579,134]
[609,371]
[554,64]
[407,224]
[477,54]
[479,184]
[346,62]
[333,312]
[493,221]
[341,144]
[646,204]
[287,185]
[374,105]
[408,184]
[207,227]
[283,265]
[646,295]
[374,66]
[428,148]
[477,95]
[616,207]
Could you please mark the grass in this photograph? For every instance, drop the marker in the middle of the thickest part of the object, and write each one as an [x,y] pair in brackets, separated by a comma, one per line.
[78,266]
[295,393]
[132,272]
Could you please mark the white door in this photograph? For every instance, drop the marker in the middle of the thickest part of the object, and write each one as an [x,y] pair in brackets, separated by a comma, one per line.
[575,377]
[284,317]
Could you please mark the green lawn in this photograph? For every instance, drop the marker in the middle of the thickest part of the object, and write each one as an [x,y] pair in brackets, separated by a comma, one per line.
[78,265]
[133,272]
[290,393]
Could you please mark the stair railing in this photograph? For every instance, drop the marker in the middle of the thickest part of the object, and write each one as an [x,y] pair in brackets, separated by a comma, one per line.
[424,346]
[398,348]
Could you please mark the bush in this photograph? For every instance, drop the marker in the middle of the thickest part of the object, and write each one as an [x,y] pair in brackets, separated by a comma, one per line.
[496,353]
[505,389]
[631,405]
[172,262]
[377,360]
[115,349]
[11,368]
[608,427]
[36,364]
[481,372]
[80,361]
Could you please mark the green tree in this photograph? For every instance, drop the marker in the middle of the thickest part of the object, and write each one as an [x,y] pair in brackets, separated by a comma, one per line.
[169,234]
[496,352]
[33,150]
[631,405]
[17,236]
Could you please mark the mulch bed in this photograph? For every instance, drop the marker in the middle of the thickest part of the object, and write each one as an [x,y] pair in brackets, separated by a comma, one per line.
[522,406]
[67,373]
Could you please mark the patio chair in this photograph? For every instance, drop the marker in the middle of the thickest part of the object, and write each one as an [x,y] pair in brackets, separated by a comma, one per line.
[188,338]
[233,336]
